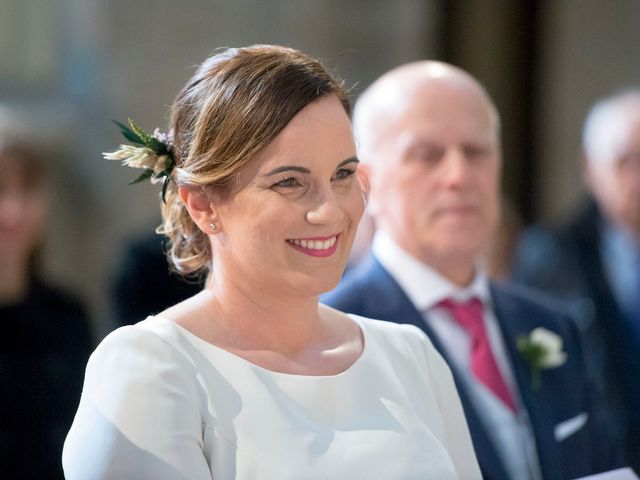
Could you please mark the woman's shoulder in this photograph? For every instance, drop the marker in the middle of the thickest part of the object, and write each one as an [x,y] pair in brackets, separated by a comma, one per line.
[391,332]
[405,342]
[382,328]
[138,351]
[152,333]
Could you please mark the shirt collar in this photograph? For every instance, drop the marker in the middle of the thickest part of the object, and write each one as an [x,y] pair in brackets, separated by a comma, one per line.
[620,243]
[423,285]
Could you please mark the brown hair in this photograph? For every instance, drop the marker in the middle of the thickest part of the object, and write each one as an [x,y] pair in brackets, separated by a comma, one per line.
[237,102]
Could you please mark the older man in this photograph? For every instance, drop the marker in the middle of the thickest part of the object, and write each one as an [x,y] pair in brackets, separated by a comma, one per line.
[593,261]
[428,134]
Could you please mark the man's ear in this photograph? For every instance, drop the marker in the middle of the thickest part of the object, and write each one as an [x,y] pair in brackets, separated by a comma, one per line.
[364,176]
[199,205]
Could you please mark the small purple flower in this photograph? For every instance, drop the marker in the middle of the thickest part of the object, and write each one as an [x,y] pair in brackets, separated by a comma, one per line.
[164,137]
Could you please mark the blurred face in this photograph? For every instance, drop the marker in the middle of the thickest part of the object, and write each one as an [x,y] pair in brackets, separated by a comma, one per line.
[22,210]
[289,226]
[615,181]
[434,179]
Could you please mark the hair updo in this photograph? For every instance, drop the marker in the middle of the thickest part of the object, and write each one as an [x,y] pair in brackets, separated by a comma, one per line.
[237,102]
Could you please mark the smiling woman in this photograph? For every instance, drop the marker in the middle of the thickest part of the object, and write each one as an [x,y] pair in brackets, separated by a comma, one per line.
[252,378]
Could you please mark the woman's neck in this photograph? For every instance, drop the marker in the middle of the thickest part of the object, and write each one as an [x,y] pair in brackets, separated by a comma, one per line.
[262,320]
[242,316]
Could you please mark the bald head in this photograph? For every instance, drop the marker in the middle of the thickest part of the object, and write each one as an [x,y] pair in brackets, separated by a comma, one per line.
[610,125]
[428,135]
[412,86]
[611,144]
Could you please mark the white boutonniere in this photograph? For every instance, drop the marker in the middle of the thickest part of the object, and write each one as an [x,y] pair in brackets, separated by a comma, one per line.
[543,349]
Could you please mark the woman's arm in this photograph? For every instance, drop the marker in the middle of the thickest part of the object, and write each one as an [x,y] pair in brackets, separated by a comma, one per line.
[138,415]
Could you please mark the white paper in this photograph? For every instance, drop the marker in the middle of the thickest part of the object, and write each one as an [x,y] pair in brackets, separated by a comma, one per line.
[619,474]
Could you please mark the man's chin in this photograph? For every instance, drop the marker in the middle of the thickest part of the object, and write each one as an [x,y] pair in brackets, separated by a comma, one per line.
[460,250]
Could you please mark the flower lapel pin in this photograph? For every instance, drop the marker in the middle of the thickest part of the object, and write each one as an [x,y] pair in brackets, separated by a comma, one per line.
[542,349]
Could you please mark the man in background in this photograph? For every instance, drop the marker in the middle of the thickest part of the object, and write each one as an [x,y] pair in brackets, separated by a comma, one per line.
[593,260]
[428,136]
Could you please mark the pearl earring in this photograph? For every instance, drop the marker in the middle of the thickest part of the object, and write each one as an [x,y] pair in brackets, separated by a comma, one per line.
[213,226]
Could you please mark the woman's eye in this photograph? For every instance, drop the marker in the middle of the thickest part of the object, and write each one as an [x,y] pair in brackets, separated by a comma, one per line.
[344,173]
[288,182]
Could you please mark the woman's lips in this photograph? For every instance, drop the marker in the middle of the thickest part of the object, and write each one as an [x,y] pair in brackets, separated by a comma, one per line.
[316,246]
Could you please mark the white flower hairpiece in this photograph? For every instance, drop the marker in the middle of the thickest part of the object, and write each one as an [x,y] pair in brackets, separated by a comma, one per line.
[543,349]
[153,153]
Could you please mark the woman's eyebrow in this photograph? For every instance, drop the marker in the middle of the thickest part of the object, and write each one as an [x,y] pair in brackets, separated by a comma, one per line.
[295,168]
[286,168]
[353,159]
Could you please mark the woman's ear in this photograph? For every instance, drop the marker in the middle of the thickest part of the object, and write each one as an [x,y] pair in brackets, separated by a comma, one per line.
[200,207]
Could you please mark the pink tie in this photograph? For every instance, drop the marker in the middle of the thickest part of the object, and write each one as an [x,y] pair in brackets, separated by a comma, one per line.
[483,364]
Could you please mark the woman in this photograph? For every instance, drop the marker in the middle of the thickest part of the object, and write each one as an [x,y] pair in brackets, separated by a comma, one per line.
[252,378]
[45,340]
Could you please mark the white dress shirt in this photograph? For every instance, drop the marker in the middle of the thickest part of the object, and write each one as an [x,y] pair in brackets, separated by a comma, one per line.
[620,252]
[426,288]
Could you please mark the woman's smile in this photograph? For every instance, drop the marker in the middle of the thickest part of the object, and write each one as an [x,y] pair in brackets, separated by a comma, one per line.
[316,246]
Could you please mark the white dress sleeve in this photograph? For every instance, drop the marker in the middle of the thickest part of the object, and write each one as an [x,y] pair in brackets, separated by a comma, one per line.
[139,415]
[458,439]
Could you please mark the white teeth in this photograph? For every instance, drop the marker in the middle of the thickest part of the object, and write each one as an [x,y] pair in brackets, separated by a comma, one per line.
[315,244]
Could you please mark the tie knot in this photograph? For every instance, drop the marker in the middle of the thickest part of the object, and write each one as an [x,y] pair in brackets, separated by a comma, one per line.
[468,314]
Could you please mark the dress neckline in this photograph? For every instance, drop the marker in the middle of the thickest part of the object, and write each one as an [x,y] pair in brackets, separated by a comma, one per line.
[199,342]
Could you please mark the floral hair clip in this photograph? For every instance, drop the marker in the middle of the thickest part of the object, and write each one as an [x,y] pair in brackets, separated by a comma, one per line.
[153,153]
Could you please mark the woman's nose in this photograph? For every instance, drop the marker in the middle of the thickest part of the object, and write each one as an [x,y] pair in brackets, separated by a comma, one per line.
[326,211]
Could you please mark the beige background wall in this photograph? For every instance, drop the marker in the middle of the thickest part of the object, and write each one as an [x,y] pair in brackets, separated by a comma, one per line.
[74,64]
[588,48]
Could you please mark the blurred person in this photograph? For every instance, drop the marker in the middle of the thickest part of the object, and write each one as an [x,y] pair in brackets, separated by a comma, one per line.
[428,134]
[45,340]
[144,283]
[251,377]
[592,261]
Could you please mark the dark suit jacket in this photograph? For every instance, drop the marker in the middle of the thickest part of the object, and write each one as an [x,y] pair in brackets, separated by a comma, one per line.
[45,342]
[144,284]
[564,261]
[371,292]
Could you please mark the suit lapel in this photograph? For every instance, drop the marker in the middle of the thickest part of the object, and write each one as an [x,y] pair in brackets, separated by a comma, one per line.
[513,318]
[387,301]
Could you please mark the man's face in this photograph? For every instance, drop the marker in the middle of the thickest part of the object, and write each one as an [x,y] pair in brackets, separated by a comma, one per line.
[615,181]
[434,179]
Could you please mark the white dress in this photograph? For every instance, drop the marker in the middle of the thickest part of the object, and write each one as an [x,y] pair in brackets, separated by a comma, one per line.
[161,403]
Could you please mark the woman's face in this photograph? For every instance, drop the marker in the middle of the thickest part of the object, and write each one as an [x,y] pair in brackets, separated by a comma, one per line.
[22,210]
[288,227]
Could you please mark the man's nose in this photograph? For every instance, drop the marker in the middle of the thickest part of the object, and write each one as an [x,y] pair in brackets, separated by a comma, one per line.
[456,168]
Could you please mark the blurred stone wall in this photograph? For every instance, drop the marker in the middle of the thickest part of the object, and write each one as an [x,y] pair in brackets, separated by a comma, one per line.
[588,48]
[72,65]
